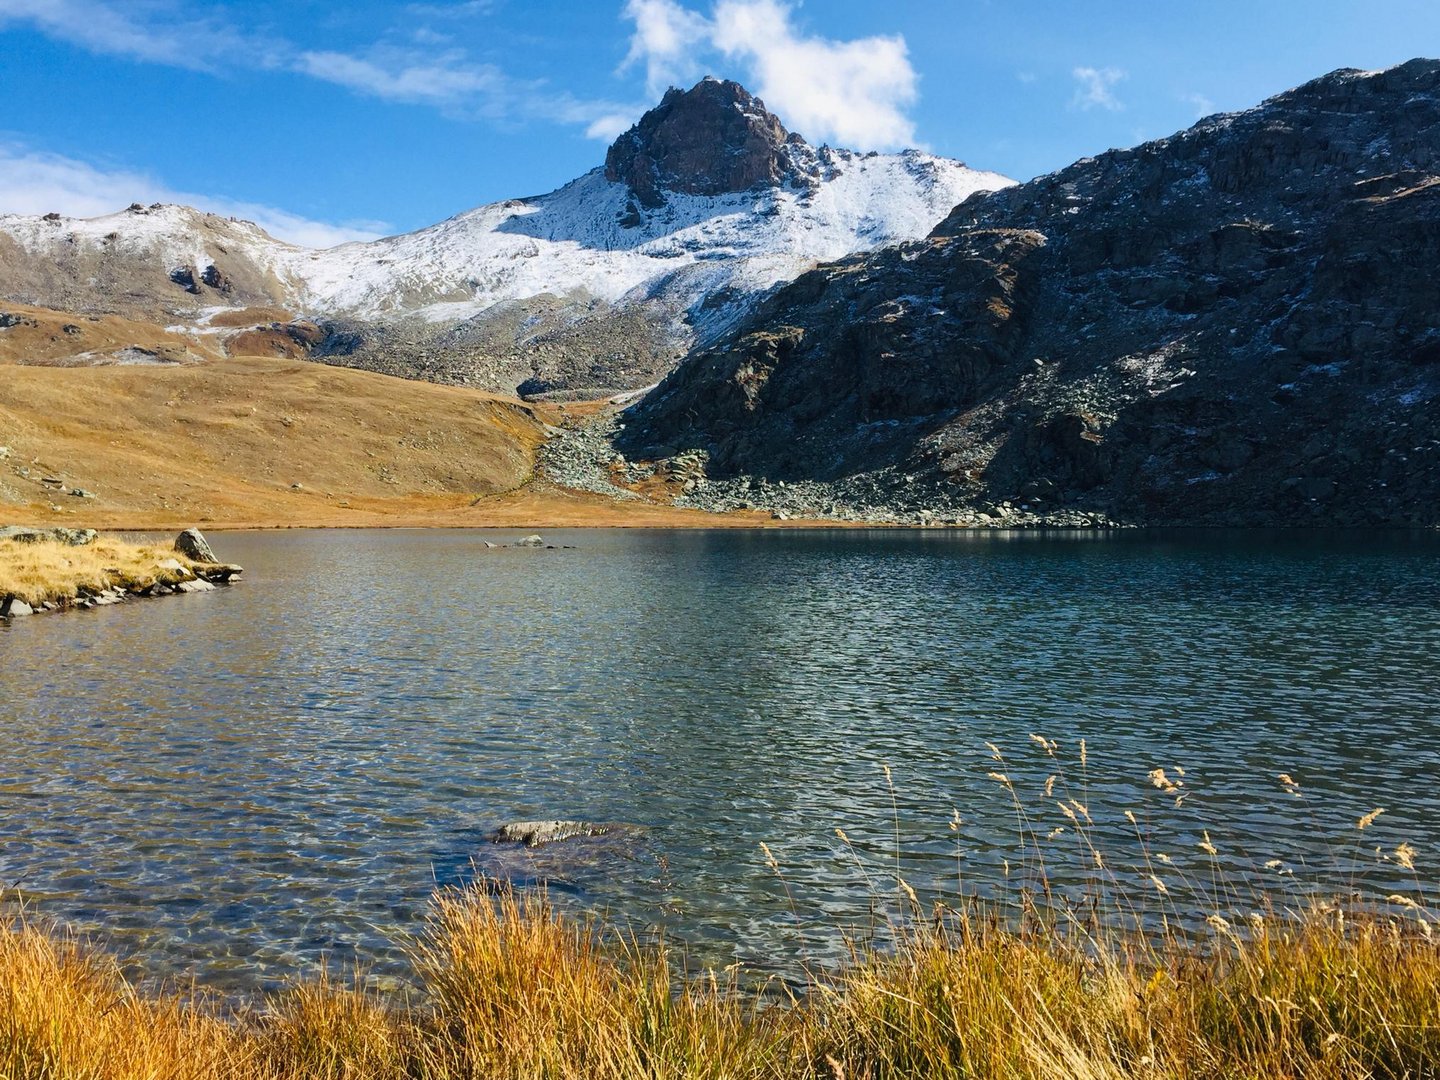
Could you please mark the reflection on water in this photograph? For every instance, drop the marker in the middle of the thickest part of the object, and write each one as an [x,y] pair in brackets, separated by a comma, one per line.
[239,783]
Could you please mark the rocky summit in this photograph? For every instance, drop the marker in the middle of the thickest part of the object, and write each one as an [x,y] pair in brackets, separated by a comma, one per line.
[714,139]
[1237,324]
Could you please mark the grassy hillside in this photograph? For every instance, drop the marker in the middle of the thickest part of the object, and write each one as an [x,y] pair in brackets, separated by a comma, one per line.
[230,440]
[165,430]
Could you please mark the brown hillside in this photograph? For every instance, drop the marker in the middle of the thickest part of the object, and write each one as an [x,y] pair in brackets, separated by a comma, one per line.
[228,440]
[161,430]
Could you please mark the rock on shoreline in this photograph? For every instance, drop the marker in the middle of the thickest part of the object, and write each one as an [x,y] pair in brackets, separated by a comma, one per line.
[175,578]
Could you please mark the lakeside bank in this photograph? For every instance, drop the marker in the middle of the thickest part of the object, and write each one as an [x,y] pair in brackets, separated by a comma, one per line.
[59,569]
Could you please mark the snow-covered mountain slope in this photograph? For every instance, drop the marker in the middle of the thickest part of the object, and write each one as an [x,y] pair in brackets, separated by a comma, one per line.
[572,241]
[688,264]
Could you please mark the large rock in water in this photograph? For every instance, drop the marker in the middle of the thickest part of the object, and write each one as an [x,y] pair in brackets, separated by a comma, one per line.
[713,139]
[192,544]
[1234,325]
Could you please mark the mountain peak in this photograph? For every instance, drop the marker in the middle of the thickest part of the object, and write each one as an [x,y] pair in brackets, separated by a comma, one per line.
[712,139]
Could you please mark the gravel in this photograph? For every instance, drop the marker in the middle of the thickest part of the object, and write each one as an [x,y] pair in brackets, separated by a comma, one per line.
[585,458]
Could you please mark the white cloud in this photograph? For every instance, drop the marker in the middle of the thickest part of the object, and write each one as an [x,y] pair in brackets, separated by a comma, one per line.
[162,32]
[1096,88]
[142,30]
[1203,105]
[665,39]
[32,182]
[610,126]
[852,92]
[397,76]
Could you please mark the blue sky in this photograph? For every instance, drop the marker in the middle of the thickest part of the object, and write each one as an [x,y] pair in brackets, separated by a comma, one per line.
[326,121]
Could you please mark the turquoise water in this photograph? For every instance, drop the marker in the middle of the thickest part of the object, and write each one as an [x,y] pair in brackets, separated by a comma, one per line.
[239,784]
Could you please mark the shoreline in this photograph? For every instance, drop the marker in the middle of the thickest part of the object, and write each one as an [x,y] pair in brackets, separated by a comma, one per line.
[49,571]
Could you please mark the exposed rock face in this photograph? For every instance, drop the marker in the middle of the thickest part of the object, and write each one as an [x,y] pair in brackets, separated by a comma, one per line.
[192,544]
[1236,324]
[713,139]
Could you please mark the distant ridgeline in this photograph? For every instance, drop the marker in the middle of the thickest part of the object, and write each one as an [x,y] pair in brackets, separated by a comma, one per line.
[1239,324]
[701,208]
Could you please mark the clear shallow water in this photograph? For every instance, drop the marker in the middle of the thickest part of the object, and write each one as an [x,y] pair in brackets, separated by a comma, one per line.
[236,784]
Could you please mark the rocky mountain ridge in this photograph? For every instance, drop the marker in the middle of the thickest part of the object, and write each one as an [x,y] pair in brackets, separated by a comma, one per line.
[596,287]
[716,139]
[1239,324]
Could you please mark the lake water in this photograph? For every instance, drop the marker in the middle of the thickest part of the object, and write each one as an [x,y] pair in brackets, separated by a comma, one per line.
[235,785]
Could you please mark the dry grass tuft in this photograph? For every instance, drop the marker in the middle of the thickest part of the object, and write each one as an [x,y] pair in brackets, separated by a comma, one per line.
[37,573]
[66,1011]
[510,989]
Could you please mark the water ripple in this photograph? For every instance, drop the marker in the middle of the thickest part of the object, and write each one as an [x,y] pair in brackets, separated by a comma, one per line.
[239,784]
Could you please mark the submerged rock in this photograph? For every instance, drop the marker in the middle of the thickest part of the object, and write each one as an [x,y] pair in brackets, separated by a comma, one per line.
[533,541]
[219,573]
[536,833]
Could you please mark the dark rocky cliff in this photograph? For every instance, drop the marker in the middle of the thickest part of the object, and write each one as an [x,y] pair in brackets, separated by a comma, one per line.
[713,139]
[1238,324]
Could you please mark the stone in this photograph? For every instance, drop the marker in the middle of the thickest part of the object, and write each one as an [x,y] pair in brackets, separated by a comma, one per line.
[184,276]
[13,607]
[491,545]
[81,493]
[710,140]
[192,544]
[536,833]
[23,534]
[219,573]
[216,278]
[532,541]
[197,586]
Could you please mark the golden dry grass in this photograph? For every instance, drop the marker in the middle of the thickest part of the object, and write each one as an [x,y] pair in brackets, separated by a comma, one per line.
[47,571]
[1030,987]
[511,989]
[227,441]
